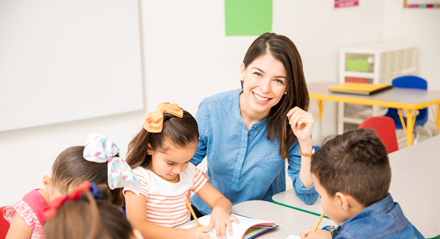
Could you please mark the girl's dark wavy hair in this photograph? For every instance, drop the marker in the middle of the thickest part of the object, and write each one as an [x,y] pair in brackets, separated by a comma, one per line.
[180,132]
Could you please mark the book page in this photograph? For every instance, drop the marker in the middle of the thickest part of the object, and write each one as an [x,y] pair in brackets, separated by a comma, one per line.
[239,230]
[293,237]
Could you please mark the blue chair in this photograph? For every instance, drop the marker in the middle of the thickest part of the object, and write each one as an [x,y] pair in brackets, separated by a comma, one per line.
[413,82]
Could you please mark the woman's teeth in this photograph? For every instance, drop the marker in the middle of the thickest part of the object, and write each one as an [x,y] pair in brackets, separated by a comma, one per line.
[261,98]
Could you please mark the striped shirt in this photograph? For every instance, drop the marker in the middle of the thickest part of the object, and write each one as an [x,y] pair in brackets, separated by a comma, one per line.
[166,204]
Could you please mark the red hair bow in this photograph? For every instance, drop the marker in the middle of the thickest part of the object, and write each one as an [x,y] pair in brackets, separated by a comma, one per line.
[53,206]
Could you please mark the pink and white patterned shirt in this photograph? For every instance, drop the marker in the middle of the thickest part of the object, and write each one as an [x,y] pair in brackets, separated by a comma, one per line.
[30,208]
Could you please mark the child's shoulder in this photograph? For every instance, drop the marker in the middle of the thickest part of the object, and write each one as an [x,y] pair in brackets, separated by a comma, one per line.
[37,197]
[192,175]
[44,194]
[383,219]
[30,208]
[142,173]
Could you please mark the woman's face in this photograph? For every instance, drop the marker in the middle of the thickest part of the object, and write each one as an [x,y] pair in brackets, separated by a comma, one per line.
[264,84]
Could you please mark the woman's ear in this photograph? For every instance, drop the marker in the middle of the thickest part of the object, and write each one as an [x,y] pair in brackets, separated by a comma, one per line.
[342,201]
[242,71]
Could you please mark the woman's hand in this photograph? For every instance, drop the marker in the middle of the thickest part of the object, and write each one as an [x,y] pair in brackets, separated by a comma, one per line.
[302,123]
[307,233]
[199,232]
[220,220]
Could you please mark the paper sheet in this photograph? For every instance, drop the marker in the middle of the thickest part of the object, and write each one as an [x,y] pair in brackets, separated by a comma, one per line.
[293,237]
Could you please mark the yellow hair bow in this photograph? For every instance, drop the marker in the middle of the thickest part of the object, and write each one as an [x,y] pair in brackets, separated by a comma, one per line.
[154,120]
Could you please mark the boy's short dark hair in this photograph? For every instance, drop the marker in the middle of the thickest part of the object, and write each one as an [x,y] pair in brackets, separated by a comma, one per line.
[355,163]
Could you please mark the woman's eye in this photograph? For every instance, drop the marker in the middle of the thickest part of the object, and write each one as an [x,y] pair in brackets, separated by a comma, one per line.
[258,74]
[279,81]
[171,164]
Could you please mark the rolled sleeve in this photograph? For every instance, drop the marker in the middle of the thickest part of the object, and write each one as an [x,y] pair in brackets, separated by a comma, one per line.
[308,195]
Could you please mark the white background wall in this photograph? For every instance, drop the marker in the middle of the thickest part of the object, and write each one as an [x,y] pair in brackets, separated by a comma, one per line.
[187,57]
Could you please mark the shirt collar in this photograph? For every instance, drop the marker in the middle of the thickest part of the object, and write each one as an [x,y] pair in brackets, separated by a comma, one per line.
[236,110]
[379,207]
[376,208]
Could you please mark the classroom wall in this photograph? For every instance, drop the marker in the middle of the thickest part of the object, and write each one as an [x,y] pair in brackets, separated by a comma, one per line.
[419,27]
[186,57]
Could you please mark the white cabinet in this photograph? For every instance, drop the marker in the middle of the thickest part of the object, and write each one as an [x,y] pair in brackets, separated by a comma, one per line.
[373,63]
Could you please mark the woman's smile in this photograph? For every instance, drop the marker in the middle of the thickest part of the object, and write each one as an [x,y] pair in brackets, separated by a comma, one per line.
[260,99]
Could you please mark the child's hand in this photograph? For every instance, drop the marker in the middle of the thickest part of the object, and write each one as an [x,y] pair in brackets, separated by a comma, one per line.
[199,232]
[307,233]
[220,220]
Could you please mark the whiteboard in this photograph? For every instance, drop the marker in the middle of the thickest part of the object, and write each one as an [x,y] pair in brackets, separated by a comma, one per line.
[68,60]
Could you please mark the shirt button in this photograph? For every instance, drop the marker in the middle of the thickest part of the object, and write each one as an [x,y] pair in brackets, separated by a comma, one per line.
[255,126]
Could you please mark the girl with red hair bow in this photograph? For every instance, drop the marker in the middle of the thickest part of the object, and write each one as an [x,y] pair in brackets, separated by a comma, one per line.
[93,216]
[98,161]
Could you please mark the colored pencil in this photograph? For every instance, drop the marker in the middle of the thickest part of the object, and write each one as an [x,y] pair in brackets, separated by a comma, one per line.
[192,212]
[319,221]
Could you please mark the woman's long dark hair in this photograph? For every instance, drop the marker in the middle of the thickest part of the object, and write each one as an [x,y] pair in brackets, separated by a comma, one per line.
[284,50]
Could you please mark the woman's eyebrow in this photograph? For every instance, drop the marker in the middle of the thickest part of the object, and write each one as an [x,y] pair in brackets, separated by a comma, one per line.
[281,77]
[256,68]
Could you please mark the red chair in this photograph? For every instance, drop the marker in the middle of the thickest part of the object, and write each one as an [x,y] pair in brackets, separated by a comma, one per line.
[4,225]
[385,130]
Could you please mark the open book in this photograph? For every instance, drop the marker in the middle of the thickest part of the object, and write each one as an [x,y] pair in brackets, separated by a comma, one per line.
[248,227]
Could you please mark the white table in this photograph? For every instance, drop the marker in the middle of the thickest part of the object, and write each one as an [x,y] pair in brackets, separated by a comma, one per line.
[290,221]
[415,185]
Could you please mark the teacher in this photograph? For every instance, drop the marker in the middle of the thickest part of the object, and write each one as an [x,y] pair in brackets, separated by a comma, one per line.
[247,134]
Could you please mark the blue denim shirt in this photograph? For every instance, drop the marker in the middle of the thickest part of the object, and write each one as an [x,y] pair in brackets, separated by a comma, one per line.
[242,164]
[383,219]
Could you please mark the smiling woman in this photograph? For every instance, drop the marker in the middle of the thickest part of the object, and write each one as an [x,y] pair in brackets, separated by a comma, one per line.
[265,86]
[246,134]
